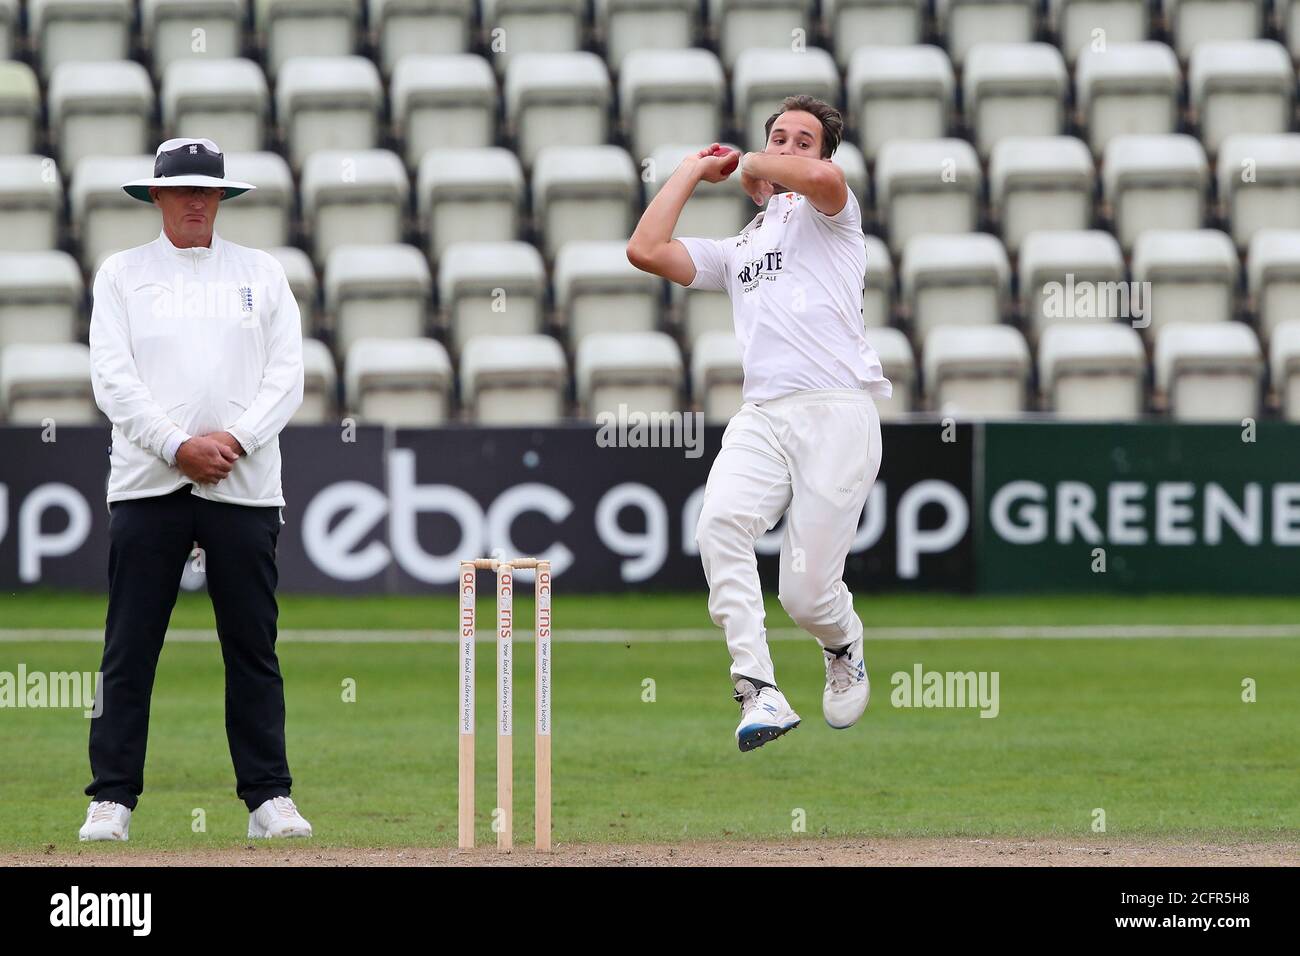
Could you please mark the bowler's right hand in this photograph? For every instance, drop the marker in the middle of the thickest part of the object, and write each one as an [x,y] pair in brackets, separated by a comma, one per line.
[717,162]
[205,460]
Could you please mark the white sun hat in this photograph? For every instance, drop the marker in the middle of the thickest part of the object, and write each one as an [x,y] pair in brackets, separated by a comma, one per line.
[187,162]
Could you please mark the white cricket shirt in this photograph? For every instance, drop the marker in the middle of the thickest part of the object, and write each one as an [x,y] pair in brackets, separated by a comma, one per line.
[796,280]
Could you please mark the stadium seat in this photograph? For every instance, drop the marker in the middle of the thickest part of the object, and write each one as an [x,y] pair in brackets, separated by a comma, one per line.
[1209,372]
[975,370]
[597,289]
[854,167]
[10,29]
[514,380]
[491,288]
[1079,24]
[175,30]
[851,24]
[402,28]
[967,23]
[63,31]
[628,26]
[1259,184]
[1241,86]
[376,292]
[926,186]
[512,28]
[717,376]
[226,101]
[1273,278]
[262,217]
[953,280]
[899,92]
[763,78]
[105,219]
[1287,13]
[1092,371]
[328,102]
[557,98]
[1193,275]
[740,26]
[31,203]
[473,195]
[1192,22]
[302,281]
[878,292]
[320,384]
[353,196]
[1072,277]
[41,297]
[899,366]
[441,102]
[699,311]
[99,109]
[670,96]
[49,381]
[1040,182]
[1126,88]
[584,192]
[1284,365]
[318,28]
[402,383]
[640,371]
[1154,182]
[1013,89]
[20,108]
[715,211]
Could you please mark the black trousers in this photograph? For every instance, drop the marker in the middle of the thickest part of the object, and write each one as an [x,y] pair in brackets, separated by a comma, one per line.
[150,541]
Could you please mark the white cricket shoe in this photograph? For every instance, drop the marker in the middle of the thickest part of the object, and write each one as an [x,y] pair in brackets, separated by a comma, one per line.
[847,687]
[106,820]
[764,715]
[277,817]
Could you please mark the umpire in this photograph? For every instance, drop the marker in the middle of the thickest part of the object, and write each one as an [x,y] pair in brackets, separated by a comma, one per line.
[196,359]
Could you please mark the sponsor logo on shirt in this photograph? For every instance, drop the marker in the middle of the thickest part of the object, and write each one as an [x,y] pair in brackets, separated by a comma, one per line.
[765,267]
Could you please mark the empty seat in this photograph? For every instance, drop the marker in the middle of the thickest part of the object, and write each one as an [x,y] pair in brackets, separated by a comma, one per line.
[1288,24]
[854,167]
[598,290]
[557,98]
[1193,275]
[671,96]
[223,100]
[1192,22]
[104,218]
[1259,184]
[469,195]
[628,26]
[1126,88]
[1073,277]
[328,102]
[1209,372]
[636,371]
[302,282]
[20,108]
[516,27]
[290,28]
[953,280]
[1273,278]
[491,288]
[899,366]
[976,370]
[1243,86]
[353,196]
[87,30]
[41,297]
[263,216]
[177,30]
[968,23]
[31,203]
[320,385]
[699,311]
[851,24]
[398,382]
[49,381]
[878,290]
[1154,182]
[99,109]
[763,78]
[717,376]
[715,210]
[584,192]
[514,380]
[403,28]
[1093,371]
[1040,182]
[1014,89]
[745,25]
[376,292]
[899,92]
[927,186]
[1284,366]
[1078,24]
[443,101]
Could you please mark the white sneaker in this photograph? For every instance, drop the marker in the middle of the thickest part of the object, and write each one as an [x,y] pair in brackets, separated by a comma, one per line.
[277,817]
[847,687]
[106,820]
[764,715]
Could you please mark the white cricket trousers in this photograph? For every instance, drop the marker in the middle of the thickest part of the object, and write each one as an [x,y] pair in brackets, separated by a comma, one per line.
[812,456]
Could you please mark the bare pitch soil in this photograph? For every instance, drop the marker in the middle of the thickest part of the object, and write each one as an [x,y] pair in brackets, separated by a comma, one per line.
[810,852]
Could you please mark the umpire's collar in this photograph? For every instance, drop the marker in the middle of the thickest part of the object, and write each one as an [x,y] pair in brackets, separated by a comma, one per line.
[192,252]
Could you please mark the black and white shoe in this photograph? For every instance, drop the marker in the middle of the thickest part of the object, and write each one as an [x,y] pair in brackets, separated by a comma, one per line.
[765,714]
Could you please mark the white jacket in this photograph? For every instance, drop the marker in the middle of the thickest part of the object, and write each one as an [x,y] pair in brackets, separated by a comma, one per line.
[189,341]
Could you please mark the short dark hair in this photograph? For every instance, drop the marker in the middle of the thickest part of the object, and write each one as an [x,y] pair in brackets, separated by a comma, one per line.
[831,120]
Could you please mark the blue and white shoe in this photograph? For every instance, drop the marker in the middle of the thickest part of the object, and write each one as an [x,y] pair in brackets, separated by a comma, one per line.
[765,714]
[847,688]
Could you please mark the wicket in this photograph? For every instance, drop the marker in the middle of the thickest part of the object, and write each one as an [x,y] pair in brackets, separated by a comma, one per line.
[505,582]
